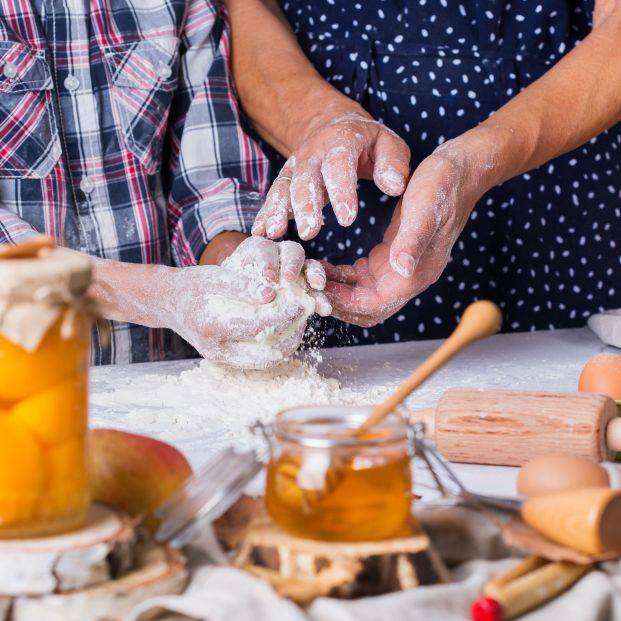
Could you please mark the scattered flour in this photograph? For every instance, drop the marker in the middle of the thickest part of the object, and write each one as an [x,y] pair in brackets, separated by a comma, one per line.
[219,402]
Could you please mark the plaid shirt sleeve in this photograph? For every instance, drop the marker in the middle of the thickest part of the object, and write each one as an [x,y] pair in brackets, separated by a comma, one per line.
[14,230]
[217,173]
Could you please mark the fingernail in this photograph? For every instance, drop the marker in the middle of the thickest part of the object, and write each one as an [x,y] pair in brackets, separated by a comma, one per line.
[289,275]
[405,265]
[393,181]
[270,274]
[272,226]
[267,293]
[345,215]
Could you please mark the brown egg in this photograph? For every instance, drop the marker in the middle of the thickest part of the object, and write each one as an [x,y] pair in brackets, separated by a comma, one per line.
[556,472]
[602,374]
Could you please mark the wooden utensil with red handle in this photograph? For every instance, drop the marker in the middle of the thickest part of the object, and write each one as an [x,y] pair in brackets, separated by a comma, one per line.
[508,428]
[529,584]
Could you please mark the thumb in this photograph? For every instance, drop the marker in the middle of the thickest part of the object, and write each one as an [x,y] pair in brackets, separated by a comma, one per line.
[418,226]
[391,158]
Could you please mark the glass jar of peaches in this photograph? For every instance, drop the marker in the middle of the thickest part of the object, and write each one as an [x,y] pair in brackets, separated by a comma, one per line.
[44,359]
[326,481]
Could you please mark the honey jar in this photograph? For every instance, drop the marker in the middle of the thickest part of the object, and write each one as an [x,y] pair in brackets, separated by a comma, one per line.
[327,482]
[44,357]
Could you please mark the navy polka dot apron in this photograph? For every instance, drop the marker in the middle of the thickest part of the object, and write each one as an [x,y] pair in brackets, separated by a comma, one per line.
[543,245]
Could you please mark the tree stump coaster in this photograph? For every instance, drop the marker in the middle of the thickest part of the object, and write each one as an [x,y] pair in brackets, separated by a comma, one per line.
[100,551]
[158,570]
[99,572]
[304,569]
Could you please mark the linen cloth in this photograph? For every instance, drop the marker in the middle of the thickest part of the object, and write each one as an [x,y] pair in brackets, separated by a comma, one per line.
[120,136]
[607,326]
[227,594]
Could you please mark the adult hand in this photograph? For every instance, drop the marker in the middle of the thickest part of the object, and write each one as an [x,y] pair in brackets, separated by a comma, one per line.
[327,166]
[417,245]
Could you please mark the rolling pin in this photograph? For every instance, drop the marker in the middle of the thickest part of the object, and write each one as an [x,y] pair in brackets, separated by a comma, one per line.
[508,428]
[529,584]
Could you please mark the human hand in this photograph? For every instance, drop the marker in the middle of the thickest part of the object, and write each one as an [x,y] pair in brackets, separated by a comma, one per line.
[417,245]
[327,166]
[229,329]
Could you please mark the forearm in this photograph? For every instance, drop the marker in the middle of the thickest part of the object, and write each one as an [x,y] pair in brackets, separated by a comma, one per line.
[577,99]
[280,90]
[135,293]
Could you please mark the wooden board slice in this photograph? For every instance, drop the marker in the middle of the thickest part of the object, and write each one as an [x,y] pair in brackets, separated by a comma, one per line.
[304,569]
[100,551]
[159,570]
[27,249]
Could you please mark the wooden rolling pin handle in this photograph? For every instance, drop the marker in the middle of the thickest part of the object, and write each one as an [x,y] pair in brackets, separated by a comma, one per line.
[613,435]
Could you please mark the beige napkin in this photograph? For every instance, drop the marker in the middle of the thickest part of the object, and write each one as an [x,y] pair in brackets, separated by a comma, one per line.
[225,594]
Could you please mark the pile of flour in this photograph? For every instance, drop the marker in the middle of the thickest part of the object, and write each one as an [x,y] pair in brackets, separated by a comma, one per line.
[218,403]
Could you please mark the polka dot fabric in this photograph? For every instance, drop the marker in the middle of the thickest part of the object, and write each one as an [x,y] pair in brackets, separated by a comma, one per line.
[544,245]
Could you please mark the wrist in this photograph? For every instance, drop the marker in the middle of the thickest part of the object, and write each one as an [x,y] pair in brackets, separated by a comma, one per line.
[220,247]
[133,293]
[489,155]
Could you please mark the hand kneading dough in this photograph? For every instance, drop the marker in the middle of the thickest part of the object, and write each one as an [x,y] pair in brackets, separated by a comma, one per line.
[265,346]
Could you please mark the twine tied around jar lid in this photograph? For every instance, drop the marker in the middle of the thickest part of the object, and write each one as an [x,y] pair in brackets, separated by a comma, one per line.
[39,283]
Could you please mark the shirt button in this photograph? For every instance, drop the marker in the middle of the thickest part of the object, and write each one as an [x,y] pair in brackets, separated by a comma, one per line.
[71,83]
[86,185]
[164,71]
[9,70]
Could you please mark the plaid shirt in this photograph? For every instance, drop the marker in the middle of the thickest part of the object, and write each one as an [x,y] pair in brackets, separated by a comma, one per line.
[120,136]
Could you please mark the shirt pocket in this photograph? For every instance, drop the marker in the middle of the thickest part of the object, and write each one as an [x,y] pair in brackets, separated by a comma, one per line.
[144,78]
[29,140]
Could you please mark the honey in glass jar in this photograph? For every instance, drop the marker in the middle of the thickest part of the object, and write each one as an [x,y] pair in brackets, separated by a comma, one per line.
[326,482]
[44,359]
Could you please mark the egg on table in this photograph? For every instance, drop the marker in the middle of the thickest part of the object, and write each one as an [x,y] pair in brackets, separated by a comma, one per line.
[602,374]
[558,472]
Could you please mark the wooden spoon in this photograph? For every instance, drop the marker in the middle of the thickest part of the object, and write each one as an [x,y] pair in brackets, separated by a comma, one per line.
[28,249]
[479,320]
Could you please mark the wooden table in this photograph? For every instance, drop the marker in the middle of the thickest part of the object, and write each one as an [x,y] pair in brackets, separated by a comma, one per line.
[548,360]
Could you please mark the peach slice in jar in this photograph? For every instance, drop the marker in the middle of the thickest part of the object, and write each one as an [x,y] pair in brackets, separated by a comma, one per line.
[22,473]
[25,373]
[57,414]
[67,490]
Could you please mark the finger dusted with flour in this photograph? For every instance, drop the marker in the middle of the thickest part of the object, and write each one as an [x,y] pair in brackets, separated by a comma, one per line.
[277,327]
[326,167]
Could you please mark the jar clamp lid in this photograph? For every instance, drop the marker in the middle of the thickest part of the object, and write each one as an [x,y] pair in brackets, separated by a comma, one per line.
[206,495]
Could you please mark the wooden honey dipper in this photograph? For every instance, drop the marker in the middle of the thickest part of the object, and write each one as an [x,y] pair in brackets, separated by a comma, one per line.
[480,319]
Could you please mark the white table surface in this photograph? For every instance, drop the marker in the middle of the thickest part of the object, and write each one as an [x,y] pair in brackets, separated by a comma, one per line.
[530,361]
